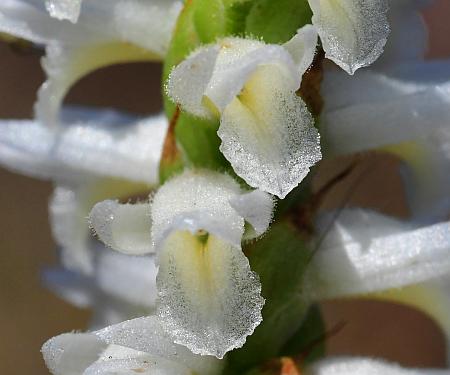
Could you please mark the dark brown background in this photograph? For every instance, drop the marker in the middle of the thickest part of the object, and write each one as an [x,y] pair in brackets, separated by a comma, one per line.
[30,314]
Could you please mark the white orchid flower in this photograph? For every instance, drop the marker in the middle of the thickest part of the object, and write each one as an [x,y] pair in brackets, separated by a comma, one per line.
[121,287]
[362,252]
[267,133]
[365,366]
[353,32]
[209,299]
[106,33]
[99,155]
[134,346]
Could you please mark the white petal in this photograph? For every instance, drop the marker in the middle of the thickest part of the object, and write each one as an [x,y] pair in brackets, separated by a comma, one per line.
[94,142]
[353,33]
[147,335]
[29,21]
[408,113]
[66,64]
[268,135]
[364,252]
[194,201]
[128,279]
[364,366]
[124,227]
[302,47]
[209,298]
[67,213]
[206,82]
[256,208]
[71,353]
[109,33]
[64,9]
[69,209]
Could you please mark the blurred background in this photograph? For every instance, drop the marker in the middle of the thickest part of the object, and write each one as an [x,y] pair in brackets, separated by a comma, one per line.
[29,314]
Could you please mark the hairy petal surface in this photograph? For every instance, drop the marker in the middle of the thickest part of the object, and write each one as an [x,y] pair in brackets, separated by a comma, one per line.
[138,345]
[256,208]
[268,134]
[123,227]
[197,201]
[353,33]
[209,298]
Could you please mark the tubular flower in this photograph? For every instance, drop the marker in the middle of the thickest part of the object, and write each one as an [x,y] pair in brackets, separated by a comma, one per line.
[106,33]
[134,346]
[267,133]
[209,299]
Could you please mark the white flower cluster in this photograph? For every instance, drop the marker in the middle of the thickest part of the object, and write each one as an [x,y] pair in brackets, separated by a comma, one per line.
[179,293]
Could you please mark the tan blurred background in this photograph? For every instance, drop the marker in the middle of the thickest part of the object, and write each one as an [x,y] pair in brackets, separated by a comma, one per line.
[29,314]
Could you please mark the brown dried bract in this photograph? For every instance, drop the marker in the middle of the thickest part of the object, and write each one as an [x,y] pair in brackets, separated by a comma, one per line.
[311,82]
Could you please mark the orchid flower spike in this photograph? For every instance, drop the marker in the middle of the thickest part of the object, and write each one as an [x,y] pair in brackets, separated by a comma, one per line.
[267,132]
[209,299]
[134,346]
[353,33]
[107,33]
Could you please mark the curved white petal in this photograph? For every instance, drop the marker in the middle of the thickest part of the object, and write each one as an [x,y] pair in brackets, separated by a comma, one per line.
[268,135]
[71,353]
[208,80]
[108,33]
[302,47]
[126,278]
[138,345]
[102,143]
[364,366]
[123,227]
[125,284]
[209,298]
[196,201]
[363,252]
[69,209]
[353,33]
[30,21]
[64,9]
[256,208]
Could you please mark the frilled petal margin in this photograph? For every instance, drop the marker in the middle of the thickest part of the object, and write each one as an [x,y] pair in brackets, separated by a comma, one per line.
[364,252]
[209,298]
[268,134]
[266,130]
[364,366]
[354,32]
[138,345]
